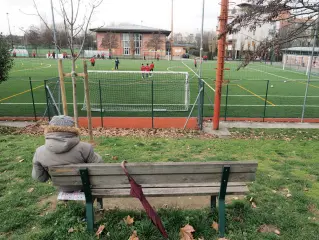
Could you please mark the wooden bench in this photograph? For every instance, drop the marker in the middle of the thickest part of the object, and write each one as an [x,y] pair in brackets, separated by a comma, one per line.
[215,179]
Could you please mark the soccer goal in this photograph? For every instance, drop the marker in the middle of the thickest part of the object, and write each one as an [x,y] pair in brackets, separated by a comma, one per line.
[137,91]
[53,95]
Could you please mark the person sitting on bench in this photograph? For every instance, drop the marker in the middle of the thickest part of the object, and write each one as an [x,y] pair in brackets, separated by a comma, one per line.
[62,146]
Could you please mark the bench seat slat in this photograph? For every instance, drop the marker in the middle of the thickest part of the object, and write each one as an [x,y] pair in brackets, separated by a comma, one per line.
[161,192]
[154,168]
[152,179]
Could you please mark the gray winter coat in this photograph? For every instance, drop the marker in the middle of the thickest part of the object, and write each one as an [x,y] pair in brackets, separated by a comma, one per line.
[62,146]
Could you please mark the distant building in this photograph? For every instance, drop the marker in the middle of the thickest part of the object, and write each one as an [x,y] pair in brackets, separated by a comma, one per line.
[181,48]
[128,39]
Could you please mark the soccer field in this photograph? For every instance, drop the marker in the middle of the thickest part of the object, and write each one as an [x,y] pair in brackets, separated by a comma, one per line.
[243,96]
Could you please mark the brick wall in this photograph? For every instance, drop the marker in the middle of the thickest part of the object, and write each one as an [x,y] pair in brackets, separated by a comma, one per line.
[119,50]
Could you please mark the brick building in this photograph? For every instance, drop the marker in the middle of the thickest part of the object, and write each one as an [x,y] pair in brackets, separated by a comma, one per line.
[129,40]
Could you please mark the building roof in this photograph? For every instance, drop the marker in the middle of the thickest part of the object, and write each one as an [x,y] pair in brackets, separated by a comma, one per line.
[301,49]
[130,28]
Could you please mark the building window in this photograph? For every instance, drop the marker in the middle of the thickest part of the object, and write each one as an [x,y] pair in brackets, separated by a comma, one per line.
[138,43]
[126,43]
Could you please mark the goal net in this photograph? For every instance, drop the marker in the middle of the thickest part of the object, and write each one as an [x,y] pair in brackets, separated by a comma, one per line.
[138,91]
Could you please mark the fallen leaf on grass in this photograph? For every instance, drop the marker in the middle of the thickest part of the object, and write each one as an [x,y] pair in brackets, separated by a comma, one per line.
[71,230]
[99,231]
[134,236]
[253,204]
[222,239]
[128,220]
[288,195]
[186,232]
[30,190]
[215,225]
[115,158]
[21,160]
[200,238]
[268,228]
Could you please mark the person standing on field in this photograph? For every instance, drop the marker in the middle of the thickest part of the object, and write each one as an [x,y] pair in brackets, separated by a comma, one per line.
[195,63]
[92,60]
[143,70]
[117,62]
[147,69]
[151,68]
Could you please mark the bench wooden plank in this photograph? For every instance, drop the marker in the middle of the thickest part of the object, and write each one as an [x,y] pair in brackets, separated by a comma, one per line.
[161,192]
[154,168]
[104,181]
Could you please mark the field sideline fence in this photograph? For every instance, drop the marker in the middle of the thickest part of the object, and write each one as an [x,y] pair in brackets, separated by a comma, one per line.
[240,98]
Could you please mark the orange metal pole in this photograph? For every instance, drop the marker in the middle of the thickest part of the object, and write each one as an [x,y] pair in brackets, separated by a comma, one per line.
[220,62]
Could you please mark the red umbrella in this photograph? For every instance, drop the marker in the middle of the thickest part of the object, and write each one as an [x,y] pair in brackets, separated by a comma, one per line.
[136,191]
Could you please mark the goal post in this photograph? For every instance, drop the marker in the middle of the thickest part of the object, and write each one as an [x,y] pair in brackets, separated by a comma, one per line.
[137,91]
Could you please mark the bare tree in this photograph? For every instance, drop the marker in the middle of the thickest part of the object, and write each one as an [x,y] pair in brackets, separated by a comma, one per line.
[74,25]
[297,19]
[155,42]
[33,36]
[109,41]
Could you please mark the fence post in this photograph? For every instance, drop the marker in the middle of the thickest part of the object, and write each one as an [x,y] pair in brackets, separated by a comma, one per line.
[47,98]
[152,88]
[266,97]
[202,101]
[34,112]
[101,106]
[225,117]
[199,122]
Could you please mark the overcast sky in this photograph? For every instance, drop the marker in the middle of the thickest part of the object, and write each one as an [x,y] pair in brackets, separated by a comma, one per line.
[153,13]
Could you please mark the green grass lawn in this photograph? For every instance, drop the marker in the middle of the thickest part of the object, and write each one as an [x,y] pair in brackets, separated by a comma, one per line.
[245,95]
[287,161]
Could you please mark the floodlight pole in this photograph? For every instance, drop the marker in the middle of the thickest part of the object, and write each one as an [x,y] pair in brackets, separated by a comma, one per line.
[10,30]
[220,61]
[310,67]
[54,31]
[201,42]
[172,30]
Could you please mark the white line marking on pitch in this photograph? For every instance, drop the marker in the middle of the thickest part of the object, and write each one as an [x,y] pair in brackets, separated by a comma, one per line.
[47,66]
[198,76]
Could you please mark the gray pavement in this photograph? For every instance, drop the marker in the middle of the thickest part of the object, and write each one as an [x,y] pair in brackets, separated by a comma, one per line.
[15,124]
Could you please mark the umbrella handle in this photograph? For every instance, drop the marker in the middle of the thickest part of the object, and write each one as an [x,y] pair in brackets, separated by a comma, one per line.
[125,170]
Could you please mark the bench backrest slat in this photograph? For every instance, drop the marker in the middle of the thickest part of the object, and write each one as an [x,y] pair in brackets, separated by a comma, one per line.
[108,175]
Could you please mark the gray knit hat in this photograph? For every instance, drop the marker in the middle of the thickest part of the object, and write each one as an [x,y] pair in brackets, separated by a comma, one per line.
[62,120]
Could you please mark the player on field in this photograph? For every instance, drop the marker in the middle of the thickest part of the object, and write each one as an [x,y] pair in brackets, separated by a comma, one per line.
[117,62]
[151,68]
[195,63]
[143,70]
[147,69]
[92,60]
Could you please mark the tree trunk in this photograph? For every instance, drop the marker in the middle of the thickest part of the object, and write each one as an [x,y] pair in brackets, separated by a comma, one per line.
[75,105]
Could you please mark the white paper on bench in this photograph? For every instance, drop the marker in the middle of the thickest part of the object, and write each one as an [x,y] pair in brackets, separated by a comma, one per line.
[72,196]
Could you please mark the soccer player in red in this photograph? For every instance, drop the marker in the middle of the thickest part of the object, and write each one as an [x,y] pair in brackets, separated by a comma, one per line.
[147,69]
[143,70]
[92,60]
[152,67]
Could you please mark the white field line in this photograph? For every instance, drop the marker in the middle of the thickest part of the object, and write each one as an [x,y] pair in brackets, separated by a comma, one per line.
[269,73]
[27,69]
[198,77]
[230,105]
[273,67]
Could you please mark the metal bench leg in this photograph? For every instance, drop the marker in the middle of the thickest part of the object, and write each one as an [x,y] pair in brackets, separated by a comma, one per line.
[221,201]
[89,199]
[99,203]
[213,203]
